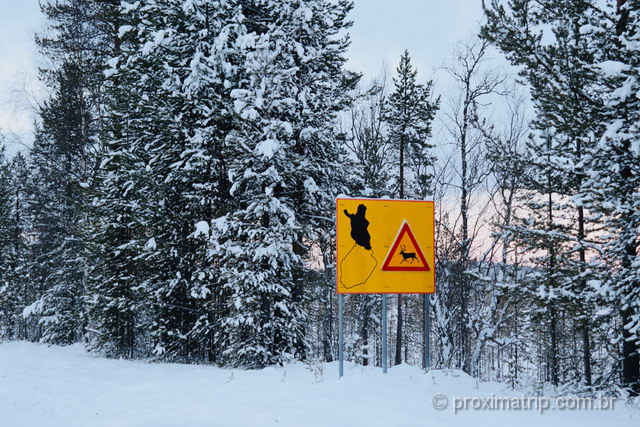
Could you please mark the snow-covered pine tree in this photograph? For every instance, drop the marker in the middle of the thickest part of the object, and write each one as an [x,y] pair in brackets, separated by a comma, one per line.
[283,163]
[63,161]
[409,116]
[59,163]
[179,124]
[569,107]
[19,275]
[10,298]
[539,231]
[612,187]
[15,288]
[116,283]
[117,277]
[207,85]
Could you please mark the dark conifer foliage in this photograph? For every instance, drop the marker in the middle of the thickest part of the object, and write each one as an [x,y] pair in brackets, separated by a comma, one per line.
[12,247]
[178,202]
[58,170]
[577,76]
[410,113]
[409,116]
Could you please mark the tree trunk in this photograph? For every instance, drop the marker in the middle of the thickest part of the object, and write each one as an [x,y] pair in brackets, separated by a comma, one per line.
[365,330]
[586,346]
[552,267]
[327,325]
[464,245]
[630,356]
[399,331]
[553,356]
[586,352]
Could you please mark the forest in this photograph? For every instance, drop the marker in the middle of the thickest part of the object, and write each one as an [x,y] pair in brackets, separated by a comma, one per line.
[178,202]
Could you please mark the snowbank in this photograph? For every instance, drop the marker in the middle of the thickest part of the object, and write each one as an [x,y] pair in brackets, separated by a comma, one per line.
[65,386]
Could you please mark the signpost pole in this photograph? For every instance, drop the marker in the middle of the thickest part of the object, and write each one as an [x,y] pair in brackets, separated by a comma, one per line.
[427,331]
[341,333]
[384,333]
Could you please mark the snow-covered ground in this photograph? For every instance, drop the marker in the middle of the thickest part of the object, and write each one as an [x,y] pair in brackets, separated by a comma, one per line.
[65,386]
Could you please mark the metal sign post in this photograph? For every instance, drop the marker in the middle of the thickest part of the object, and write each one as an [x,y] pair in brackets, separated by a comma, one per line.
[427,332]
[384,333]
[341,333]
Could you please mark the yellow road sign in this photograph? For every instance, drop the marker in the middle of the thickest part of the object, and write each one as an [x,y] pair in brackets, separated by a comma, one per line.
[385,246]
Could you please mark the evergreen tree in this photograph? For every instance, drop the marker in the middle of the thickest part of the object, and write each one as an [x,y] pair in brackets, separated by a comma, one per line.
[19,254]
[116,285]
[612,187]
[409,116]
[283,169]
[10,297]
[59,164]
[63,161]
[182,180]
[569,109]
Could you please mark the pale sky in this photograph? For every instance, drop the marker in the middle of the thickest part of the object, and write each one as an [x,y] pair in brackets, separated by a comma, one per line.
[18,22]
[382,30]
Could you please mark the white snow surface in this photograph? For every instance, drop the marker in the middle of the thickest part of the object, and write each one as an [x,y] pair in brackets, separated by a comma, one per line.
[151,244]
[66,386]
[268,148]
[612,68]
[202,229]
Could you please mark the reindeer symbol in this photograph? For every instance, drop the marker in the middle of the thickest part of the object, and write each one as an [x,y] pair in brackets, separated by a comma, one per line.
[407,255]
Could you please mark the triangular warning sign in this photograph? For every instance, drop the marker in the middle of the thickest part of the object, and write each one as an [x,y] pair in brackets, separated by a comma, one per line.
[405,253]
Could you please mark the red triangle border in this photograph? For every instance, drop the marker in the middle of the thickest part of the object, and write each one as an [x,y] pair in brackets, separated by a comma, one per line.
[405,228]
